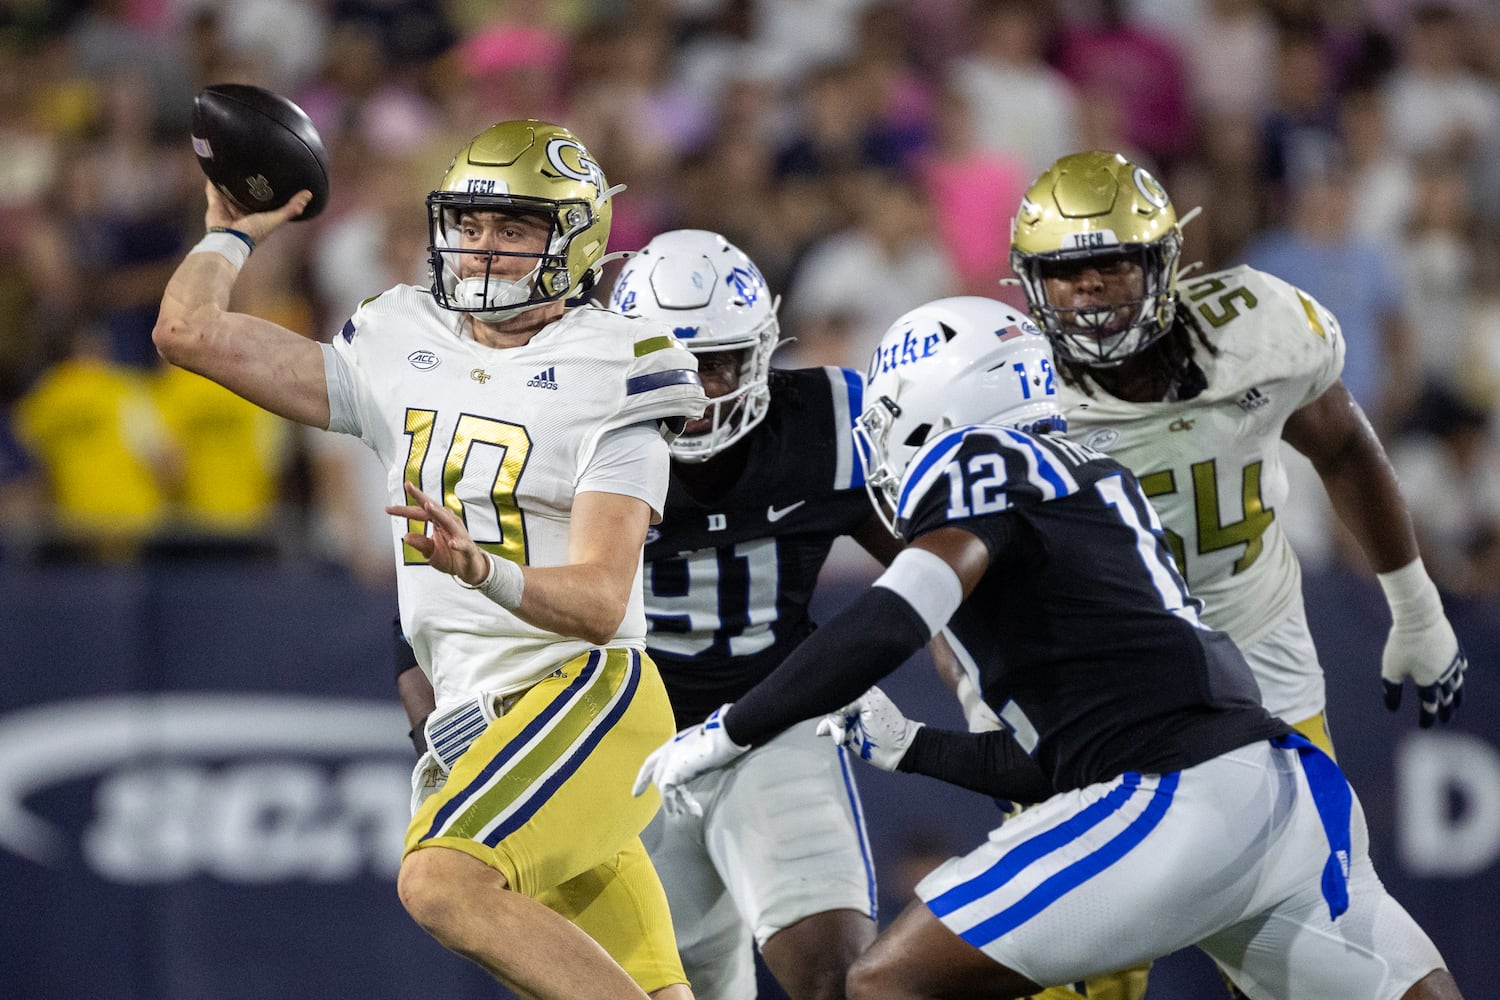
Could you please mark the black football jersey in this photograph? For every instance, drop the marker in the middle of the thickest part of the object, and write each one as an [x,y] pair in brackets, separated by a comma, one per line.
[727,583]
[1082,633]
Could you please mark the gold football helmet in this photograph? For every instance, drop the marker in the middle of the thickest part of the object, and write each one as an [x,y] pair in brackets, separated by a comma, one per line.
[1098,207]
[521,166]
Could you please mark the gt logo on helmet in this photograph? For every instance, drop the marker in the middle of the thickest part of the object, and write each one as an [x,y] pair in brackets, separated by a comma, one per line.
[586,172]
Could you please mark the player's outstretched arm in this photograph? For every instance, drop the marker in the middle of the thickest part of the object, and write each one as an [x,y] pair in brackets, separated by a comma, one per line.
[267,364]
[866,640]
[587,598]
[1334,434]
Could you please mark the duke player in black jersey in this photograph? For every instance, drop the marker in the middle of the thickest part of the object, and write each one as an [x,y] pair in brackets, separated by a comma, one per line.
[1173,809]
[774,851]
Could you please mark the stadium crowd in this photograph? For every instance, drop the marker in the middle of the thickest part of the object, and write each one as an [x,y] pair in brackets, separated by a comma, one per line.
[868,154]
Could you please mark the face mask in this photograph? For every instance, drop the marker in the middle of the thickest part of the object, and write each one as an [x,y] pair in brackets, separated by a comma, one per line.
[500,297]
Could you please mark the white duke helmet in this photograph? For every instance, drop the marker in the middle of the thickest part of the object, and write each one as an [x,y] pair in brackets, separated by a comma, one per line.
[951,363]
[715,299]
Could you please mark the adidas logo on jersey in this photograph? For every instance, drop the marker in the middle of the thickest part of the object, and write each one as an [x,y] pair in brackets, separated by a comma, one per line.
[1253,400]
[545,379]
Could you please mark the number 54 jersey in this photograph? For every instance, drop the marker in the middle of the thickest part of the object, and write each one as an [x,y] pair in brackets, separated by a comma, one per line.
[505,439]
[1211,464]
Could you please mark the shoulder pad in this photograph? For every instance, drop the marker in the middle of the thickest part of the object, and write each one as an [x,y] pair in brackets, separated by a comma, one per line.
[661,382]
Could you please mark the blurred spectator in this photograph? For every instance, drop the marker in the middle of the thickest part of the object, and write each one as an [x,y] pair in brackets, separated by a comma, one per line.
[974,194]
[229,459]
[1439,264]
[1225,178]
[1141,72]
[1437,104]
[1359,281]
[358,102]
[1450,473]
[510,70]
[791,36]
[852,286]
[1384,183]
[841,128]
[1022,107]
[107,37]
[284,41]
[101,447]
[1303,121]
[885,52]
[1230,60]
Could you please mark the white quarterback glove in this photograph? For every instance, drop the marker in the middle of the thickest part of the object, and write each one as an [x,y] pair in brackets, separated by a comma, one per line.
[692,752]
[1421,645]
[872,727]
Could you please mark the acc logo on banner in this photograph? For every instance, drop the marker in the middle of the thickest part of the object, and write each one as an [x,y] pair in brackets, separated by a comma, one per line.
[249,788]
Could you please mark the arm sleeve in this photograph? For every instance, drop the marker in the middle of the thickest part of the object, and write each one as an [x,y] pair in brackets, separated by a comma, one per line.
[832,667]
[992,763]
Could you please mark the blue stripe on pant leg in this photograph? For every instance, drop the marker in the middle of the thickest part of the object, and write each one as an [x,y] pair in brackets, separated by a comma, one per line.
[859,830]
[536,725]
[539,794]
[1071,877]
[1039,846]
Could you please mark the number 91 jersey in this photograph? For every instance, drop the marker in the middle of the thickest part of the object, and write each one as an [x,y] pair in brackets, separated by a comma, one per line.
[505,439]
[1211,464]
[728,580]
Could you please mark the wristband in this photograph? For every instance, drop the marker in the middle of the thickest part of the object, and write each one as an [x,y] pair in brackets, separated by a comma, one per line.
[503,583]
[231,244]
[1411,594]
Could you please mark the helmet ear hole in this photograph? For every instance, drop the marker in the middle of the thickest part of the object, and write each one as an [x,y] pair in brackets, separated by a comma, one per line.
[918,436]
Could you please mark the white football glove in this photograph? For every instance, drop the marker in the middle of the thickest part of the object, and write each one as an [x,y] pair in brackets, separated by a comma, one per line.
[873,728]
[692,752]
[426,778]
[1421,645]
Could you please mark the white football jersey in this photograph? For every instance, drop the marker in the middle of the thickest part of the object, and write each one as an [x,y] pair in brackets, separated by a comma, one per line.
[503,437]
[1211,464]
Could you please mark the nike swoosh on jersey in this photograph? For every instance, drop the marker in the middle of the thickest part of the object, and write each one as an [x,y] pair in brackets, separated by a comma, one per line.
[772,514]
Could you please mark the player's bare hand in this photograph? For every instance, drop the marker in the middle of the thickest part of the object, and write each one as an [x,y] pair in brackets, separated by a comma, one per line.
[449,548]
[257,225]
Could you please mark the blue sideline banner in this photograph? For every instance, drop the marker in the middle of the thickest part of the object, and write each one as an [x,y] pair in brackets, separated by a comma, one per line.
[204,781]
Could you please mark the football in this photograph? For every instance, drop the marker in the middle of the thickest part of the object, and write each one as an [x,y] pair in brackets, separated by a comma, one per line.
[258,148]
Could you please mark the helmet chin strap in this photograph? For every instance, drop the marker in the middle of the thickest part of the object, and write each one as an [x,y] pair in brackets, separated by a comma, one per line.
[503,297]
